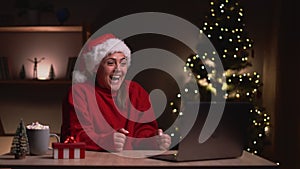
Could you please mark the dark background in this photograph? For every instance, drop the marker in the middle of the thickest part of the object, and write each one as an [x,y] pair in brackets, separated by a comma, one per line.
[272,25]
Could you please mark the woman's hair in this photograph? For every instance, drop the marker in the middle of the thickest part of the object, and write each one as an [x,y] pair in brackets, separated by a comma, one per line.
[121,97]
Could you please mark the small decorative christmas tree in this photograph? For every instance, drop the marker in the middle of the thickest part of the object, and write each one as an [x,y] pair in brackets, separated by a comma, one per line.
[22,73]
[20,146]
[51,73]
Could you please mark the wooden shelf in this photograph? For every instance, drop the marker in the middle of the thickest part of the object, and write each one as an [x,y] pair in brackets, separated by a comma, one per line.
[41,29]
[15,82]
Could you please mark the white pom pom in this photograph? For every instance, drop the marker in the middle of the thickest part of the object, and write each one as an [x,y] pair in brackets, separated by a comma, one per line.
[79,77]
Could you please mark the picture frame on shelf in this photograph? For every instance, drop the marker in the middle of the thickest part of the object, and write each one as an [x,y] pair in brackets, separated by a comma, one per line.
[70,67]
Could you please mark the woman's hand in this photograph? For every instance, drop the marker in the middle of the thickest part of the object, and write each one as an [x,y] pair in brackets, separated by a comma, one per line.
[163,140]
[120,139]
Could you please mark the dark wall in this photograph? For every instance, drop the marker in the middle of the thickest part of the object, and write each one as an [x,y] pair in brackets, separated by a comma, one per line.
[288,114]
[272,25]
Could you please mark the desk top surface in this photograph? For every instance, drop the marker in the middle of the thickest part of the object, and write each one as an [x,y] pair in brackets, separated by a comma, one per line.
[126,159]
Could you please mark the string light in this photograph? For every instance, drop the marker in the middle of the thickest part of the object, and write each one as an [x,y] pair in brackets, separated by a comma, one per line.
[233,51]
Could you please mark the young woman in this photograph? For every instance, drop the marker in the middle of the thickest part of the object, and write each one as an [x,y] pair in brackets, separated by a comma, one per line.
[103,109]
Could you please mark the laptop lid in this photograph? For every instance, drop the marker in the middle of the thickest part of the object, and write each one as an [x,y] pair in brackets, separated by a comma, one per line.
[226,141]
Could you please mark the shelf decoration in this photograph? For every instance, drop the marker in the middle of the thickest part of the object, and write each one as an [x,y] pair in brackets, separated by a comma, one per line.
[22,73]
[51,73]
[35,62]
[4,68]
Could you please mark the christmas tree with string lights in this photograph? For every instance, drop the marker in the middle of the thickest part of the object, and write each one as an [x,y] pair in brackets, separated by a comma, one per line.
[224,27]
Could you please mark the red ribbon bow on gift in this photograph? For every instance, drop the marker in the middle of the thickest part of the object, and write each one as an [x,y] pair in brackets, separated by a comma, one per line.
[70,139]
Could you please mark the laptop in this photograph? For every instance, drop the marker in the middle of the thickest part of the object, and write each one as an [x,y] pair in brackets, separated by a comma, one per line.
[226,141]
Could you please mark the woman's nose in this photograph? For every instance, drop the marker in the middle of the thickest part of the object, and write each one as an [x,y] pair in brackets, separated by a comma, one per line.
[117,67]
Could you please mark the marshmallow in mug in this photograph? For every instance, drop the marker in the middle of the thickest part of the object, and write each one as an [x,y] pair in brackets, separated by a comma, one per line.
[37,125]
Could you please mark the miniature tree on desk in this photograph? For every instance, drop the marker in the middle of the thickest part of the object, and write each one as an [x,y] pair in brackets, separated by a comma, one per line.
[20,145]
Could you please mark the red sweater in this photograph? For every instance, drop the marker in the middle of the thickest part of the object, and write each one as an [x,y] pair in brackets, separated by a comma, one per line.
[96,117]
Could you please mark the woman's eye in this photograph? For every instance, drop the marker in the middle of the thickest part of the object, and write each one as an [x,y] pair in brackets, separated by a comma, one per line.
[124,63]
[110,62]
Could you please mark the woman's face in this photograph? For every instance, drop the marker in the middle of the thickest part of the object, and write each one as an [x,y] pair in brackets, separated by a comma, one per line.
[112,70]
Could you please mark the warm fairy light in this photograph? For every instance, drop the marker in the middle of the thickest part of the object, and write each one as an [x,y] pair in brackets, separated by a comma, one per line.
[184,69]
[234,46]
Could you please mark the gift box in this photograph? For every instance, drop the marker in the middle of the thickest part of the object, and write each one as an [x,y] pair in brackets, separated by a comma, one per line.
[68,150]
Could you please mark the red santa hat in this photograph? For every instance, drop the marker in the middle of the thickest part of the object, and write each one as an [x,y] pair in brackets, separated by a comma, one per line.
[93,53]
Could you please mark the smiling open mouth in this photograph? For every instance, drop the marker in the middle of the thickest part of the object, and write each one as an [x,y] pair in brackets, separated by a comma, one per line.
[115,78]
